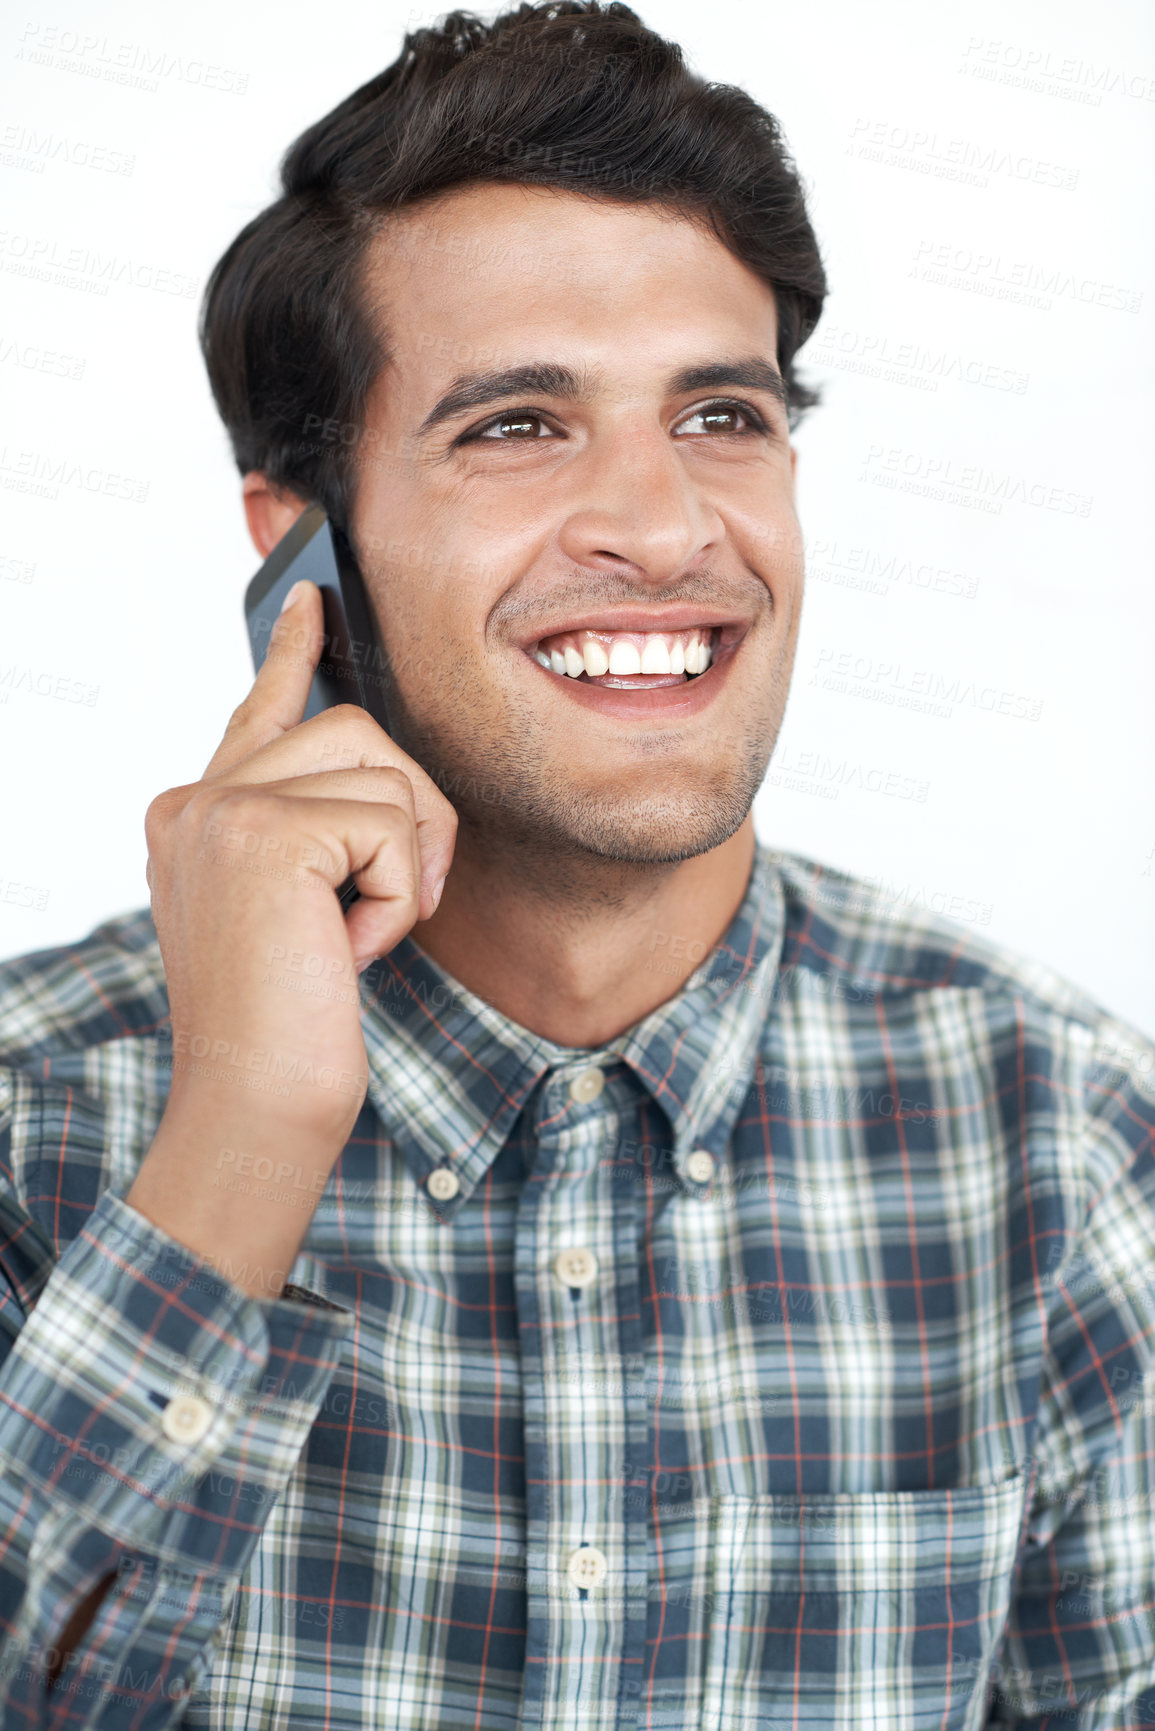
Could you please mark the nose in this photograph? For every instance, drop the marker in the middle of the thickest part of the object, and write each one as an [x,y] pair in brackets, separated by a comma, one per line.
[632,508]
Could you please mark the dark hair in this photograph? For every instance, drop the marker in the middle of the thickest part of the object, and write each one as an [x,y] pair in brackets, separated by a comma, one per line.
[569,94]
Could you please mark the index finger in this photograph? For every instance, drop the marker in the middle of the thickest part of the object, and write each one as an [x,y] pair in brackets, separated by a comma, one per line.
[279,694]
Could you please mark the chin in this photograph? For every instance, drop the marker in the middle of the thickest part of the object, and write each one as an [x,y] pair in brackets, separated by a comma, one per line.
[656,846]
[663,829]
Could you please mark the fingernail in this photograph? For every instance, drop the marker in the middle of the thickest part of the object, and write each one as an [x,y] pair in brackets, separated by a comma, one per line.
[437,889]
[367,963]
[292,596]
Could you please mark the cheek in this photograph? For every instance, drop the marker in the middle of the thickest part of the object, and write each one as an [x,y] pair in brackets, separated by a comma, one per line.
[433,627]
[450,565]
[462,549]
[772,547]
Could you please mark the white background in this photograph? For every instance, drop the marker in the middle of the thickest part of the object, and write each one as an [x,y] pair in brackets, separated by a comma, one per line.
[980,187]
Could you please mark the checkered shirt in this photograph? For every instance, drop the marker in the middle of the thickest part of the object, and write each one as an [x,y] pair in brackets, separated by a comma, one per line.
[782,1363]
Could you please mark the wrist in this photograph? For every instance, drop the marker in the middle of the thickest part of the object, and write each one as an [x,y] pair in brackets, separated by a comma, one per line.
[237,1191]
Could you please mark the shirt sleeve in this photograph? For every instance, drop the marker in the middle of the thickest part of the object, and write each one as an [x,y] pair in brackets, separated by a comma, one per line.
[151,1413]
[1080,1644]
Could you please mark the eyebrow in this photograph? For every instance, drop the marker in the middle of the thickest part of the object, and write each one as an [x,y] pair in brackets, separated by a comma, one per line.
[549,379]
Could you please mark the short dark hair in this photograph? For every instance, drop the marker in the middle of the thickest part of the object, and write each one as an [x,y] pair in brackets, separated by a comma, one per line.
[569,94]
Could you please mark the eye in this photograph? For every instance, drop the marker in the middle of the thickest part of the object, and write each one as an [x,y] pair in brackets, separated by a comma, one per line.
[722,417]
[514,424]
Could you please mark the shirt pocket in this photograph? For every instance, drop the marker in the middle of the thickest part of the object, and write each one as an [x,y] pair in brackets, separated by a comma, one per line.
[875,1611]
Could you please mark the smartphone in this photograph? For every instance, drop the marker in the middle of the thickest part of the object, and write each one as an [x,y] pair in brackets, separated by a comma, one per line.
[352,664]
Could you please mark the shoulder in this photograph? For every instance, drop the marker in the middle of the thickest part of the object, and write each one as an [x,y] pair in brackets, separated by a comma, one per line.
[108,986]
[887,943]
[881,984]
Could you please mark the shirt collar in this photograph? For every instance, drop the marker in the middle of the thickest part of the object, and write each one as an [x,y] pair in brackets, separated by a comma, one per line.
[448,1074]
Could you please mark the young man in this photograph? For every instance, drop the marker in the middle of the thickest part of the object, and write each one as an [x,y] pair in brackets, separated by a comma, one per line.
[617,1277]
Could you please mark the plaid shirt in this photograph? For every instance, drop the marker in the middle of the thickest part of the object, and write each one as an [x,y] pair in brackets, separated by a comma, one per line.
[779,1364]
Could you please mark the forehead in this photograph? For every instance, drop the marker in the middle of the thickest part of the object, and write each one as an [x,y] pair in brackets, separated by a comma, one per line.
[493,274]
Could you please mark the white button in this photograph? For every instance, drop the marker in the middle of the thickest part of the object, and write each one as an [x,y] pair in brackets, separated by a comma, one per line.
[443,1184]
[587,1085]
[700,1166]
[186,1418]
[587,1567]
[576,1267]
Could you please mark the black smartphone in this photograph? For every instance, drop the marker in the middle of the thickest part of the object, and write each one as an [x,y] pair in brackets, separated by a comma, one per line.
[352,661]
[352,664]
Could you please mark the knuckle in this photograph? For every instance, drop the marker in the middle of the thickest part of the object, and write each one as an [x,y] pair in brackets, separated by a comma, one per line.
[244,806]
[222,811]
[242,714]
[349,715]
[393,821]
[161,813]
[350,730]
[394,780]
[155,821]
[441,807]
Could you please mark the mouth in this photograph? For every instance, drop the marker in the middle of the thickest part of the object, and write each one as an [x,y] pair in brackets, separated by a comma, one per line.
[627,660]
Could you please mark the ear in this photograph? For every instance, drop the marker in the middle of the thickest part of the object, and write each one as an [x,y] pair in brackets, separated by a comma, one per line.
[270,511]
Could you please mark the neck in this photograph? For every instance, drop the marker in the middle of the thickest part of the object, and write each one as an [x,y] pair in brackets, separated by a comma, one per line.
[579,957]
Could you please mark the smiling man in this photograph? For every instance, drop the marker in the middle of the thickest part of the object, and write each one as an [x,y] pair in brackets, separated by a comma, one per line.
[616,1275]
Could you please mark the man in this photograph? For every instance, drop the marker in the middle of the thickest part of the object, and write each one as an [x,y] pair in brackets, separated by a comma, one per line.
[618,1276]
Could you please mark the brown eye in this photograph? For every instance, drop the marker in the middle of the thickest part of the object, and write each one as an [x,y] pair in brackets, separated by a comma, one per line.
[722,418]
[514,426]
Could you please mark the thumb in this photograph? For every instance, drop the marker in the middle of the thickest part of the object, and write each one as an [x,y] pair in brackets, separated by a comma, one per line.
[279,694]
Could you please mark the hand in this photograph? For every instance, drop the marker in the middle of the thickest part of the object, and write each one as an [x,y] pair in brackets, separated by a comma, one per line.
[261,962]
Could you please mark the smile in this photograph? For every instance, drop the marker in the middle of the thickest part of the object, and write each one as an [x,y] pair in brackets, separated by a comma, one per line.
[643,658]
[641,675]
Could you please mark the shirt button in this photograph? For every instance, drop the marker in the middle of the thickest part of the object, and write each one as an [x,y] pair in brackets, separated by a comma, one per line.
[443,1184]
[577,1267]
[700,1166]
[587,1567]
[186,1418]
[587,1085]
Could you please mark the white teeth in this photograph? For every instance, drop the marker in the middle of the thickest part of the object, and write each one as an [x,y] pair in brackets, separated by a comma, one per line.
[624,658]
[594,658]
[655,656]
[659,652]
